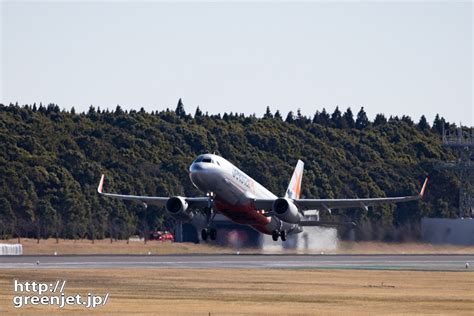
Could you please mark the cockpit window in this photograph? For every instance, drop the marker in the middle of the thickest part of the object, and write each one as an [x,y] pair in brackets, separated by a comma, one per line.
[199,159]
[209,160]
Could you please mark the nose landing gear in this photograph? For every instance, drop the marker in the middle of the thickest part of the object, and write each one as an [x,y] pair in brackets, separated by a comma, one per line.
[209,232]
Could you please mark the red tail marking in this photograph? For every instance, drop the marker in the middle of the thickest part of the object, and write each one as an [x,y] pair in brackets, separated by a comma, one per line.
[422,192]
[298,186]
[101,184]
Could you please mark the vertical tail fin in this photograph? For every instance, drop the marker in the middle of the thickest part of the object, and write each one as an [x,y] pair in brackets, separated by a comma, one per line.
[294,188]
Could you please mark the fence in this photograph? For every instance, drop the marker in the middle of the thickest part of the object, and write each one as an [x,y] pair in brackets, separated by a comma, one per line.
[11,249]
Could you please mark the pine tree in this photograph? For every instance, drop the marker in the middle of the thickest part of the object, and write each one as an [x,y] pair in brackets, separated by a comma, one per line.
[91,111]
[290,117]
[362,121]
[408,120]
[278,116]
[324,118]
[198,112]
[180,109]
[299,116]
[336,118]
[317,118]
[118,110]
[423,124]
[393,119]
[268,114]
[348,118]
[380,119]
[302,120]
[438,124]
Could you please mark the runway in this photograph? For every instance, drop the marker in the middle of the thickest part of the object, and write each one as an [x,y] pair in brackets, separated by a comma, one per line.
[365,262]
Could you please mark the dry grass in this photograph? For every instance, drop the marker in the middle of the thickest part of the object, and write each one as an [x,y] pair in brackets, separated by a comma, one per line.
[48,247]
[104,246]
[255,291]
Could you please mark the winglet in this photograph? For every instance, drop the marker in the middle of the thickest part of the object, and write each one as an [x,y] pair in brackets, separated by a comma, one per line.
[101,183]
[422,192]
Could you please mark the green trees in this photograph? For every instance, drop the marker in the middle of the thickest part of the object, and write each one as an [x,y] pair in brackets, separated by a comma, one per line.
[278,116]
[423,123]
[180,109]
[336,118]
[290,118]
[348,118]
[438,124]
[198,112]
[7,219]
[322,118]
[380,120]
[362,120]
[45,219]
[51,161]
[268,114]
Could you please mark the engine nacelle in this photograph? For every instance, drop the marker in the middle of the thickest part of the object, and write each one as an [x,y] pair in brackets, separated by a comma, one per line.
[177,207]
[286,210]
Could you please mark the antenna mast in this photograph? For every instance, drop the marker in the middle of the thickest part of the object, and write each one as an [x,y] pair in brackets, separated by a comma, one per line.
[463,142]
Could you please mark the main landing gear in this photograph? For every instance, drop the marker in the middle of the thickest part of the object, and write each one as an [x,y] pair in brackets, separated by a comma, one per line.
[209,233]
[281,234]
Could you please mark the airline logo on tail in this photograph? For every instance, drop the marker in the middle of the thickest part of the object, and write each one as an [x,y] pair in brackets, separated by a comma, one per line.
[294,188]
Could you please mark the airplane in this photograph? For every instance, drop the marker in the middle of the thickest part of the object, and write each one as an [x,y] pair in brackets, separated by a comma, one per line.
[232,193]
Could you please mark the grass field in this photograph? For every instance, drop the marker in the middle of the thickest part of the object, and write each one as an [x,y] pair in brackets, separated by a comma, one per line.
[104,246]
[49,247]
[254,291]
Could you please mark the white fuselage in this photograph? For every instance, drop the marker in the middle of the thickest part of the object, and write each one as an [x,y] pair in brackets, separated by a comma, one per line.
[234,193]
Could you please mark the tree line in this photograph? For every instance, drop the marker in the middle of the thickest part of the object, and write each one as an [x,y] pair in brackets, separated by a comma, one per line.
[51,161]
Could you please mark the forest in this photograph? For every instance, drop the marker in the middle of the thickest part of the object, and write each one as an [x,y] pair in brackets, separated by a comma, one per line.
[51,160]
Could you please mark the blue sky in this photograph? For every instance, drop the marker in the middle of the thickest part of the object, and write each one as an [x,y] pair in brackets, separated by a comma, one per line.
[405,58]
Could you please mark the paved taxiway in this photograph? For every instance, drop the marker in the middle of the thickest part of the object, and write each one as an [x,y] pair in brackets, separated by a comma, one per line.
[379,262]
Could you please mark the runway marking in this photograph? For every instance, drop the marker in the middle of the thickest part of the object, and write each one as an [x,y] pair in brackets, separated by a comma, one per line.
[236,261]
[366,262]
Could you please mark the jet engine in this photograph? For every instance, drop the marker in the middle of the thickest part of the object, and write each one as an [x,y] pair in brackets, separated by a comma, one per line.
[286,210]
[177,207]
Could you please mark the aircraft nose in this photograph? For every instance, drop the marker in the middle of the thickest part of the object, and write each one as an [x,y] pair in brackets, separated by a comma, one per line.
[195,167]
[201,167]
[198,175]
[203,175]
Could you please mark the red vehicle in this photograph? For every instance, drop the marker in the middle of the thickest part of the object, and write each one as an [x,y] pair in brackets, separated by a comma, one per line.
[161,235]
[166,236]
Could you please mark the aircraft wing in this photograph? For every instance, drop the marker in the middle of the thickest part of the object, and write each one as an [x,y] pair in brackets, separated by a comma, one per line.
[194,202]
[328,204]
